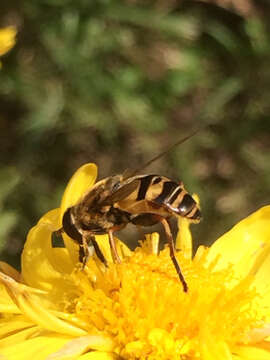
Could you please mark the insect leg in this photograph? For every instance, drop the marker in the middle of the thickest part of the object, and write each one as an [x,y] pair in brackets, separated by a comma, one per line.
[169,236]
[86,249]
[114,252]
[98,251]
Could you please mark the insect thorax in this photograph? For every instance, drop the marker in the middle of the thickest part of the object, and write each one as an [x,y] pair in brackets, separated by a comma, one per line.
[91,215]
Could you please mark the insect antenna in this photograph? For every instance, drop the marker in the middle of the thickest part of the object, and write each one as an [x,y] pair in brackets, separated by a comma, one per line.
[128,173]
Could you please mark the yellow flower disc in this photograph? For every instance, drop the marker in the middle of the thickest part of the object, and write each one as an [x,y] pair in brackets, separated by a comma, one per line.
[137,309]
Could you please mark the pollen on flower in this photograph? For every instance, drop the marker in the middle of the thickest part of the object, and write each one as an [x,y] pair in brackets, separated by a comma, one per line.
[137,309]
[140,303]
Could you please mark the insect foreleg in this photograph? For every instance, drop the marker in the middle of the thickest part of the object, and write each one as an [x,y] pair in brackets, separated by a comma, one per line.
[99,252]
[169,236]
[115,256]
[87,248]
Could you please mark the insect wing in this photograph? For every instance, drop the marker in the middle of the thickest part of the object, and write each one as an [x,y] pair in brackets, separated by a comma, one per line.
[122,192]
[128,173]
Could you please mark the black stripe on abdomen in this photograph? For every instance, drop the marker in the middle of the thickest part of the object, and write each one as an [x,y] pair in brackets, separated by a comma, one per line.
[144,185]
[196,216]
[186,205]
[157,180]
[175,195]
[167,190]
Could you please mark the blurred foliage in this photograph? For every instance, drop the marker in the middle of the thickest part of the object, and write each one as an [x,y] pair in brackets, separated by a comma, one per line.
[116,82]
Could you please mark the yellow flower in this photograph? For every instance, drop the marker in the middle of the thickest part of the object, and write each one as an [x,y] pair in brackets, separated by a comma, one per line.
[54,309]
[7,39]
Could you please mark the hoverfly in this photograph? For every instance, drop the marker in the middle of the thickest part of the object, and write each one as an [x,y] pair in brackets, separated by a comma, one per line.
[116,201]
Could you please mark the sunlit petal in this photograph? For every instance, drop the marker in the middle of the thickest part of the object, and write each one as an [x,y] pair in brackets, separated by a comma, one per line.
[42,265]
[7,306]
[19,335]
[247,247]
[34,348]
[10,271]
[151,243]
[184,237]
[16,323]
[83,179]
[211,348]
[99,355]
[81,345]
[34,309]
[137,309]
[251,353]
[243,242]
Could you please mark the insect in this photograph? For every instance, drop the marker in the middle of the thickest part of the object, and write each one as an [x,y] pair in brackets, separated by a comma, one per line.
[116,201]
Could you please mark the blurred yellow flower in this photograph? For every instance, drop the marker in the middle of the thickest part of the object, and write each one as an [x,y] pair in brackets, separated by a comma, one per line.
[7,39]
[137,309]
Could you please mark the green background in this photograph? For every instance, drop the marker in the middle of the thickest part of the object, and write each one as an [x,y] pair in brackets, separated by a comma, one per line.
[117,82]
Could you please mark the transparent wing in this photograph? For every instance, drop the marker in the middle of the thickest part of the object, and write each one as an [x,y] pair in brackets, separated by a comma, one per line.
[122,192]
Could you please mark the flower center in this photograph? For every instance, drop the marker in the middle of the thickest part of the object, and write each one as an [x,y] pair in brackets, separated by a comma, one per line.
[140,303]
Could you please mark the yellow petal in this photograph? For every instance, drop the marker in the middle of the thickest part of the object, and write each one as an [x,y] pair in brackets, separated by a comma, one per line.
[72,248]
[34,348]
[7,39]
[247,247]
[104,245]
[151,243]
[34,309]
[43,266]
[255,336]
[243,242]
[184,237]
[83,179]
[10,271]
[52,219]
[7,306]
[9,309]
[81,345]
[211,349]
[99,355]
[10,325]
[261,280]
[251,353]
[103,242]
[19,336]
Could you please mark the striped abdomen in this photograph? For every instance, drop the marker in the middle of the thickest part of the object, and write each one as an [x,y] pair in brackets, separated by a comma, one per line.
[160,192]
